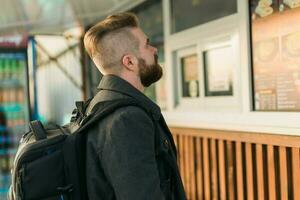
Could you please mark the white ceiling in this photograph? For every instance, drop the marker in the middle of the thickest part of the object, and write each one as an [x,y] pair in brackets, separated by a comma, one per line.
[55,16]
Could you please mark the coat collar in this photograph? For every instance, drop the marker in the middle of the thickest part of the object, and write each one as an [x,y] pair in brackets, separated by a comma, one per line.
[117,84]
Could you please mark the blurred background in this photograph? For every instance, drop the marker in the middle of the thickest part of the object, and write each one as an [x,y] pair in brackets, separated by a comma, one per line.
[230,91]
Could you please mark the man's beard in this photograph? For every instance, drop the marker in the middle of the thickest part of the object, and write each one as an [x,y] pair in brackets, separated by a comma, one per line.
[149,73]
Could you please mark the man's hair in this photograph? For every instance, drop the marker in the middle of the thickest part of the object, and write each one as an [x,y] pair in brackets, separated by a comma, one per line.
[109,40]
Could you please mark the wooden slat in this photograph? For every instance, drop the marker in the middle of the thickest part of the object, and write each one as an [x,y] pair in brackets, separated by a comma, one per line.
[192,168]
[271,172]
[249,172]
[175,140]
[283,173]
[175,136]
[238,136]
[181,159]
[206,169]
[199,169]
[239,171]
[179,153]
[214,170]
[222,182]
[260,173]
[296,173]
[187,167]
[230,168]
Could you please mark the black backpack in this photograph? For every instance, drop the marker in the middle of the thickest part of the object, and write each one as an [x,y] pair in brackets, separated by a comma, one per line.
[50,162]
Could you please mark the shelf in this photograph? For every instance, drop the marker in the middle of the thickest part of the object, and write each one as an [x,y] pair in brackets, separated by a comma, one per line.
[8,140]
[9,83]
[5,180]
[3,190]
[12,151]
[3,128]
[11,107]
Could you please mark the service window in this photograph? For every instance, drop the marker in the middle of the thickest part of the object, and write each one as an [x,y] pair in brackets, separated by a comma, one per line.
[275,40]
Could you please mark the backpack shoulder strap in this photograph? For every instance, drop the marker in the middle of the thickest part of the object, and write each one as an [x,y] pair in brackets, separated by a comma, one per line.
[79,112]
[38,130]
[102,109]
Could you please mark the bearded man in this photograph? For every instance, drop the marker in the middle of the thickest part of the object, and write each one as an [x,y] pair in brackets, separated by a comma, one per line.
[130,154]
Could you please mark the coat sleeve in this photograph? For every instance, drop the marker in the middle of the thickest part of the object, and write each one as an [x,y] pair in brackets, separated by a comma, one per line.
[129,156]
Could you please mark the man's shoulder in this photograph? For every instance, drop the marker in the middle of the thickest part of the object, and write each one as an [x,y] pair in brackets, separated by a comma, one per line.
[130,112]
[106,95]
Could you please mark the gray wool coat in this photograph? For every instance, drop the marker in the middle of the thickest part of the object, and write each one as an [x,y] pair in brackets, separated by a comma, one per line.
[130,154]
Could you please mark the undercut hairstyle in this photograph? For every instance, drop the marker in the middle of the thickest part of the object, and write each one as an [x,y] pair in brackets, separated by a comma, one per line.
[109,40]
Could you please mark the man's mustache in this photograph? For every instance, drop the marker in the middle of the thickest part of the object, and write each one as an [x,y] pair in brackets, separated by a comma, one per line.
[156,58]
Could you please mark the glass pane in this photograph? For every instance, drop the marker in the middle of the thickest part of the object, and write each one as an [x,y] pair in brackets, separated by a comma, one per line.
[190,80]
[189,13]
[218,66]
[276,55]
[152,26]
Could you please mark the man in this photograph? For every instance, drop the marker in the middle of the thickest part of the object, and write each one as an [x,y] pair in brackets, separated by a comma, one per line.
[130,154]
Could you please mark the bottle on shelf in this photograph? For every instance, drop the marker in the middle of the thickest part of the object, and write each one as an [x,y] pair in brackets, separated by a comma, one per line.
[14,69]
[1,69]
[4,96]
[21,69]
[1,97]
[20,95]
[6,69]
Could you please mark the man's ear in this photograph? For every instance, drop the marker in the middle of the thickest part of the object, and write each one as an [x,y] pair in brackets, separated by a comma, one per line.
[130,62]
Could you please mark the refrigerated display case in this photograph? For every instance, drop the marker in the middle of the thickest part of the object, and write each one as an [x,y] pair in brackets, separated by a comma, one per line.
[14,107]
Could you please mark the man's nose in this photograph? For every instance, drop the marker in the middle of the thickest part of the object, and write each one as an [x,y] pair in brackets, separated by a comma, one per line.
[154,49]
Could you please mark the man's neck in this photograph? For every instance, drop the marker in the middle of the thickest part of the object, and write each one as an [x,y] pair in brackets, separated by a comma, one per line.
[134,81]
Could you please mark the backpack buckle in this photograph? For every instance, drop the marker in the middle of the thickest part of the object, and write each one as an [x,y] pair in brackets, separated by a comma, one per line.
[65,189]
[78,112]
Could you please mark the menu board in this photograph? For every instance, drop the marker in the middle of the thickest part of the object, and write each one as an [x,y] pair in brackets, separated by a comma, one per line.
[275,35]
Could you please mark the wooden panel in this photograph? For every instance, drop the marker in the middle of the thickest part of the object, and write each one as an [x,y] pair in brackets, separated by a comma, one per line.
[283,173]
[214,170]
[256,138]
[239,171]
[222,183]
[260,173]
[187,167]
[271,172]
[249,172]
[206,169]
[296,173]
[230,168]
[192,169]
[203,179]
[199,169]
